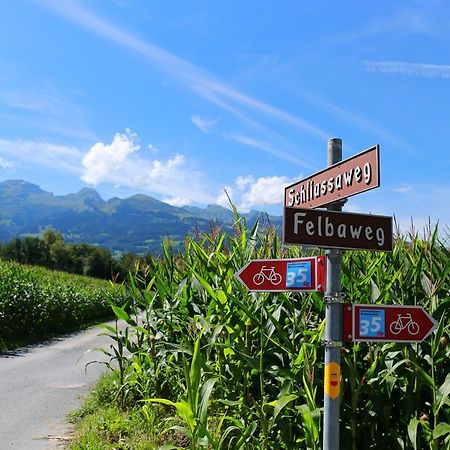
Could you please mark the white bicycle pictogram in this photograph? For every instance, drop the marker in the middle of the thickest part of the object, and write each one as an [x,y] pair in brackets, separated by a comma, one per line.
[403,322]
[269,274]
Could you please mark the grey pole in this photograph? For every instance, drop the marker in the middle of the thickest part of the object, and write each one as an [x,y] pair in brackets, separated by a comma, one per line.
[333,327]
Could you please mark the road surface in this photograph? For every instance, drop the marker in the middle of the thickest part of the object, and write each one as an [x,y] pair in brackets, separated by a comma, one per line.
[40,385]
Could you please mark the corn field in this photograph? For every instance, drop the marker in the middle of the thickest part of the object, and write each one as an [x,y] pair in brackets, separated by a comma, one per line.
[37,303]
[235,369]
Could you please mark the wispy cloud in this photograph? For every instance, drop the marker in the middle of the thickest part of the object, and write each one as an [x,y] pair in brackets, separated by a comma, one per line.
[53,112]
[406,68]
[32,101]
[355,119]
[194,77]
[204,124]
[404,21]
[403,189]
[122,163]
[258,65]
[42,154]
[265,147]
[270,135]
[5,164]
[420,202]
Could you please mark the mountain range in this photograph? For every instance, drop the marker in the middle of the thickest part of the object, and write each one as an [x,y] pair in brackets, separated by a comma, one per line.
[135,224]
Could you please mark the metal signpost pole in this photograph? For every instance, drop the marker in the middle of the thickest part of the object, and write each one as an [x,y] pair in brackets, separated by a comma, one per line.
[333,327]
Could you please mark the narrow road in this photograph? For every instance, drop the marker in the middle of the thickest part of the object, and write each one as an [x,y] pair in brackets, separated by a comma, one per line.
[40,385]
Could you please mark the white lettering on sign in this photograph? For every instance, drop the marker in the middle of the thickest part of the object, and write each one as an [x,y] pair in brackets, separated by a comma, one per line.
[380,236]
[326,226]
[298,221]
[355,232]
[311,190]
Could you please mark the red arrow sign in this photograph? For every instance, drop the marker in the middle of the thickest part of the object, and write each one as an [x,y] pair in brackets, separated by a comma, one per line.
[278,275]
[387,323]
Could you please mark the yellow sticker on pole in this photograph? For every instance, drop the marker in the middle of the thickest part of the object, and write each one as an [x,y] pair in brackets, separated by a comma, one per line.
[332,380]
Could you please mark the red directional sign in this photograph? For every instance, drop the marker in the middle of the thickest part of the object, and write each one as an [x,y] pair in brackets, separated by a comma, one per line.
[387,323]
[279,275]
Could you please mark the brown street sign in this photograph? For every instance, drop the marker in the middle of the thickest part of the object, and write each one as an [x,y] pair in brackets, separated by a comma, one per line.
[357,174]
[332,229]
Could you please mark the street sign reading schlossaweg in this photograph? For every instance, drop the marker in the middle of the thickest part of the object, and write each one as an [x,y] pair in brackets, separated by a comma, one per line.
[357,174]
[331,229]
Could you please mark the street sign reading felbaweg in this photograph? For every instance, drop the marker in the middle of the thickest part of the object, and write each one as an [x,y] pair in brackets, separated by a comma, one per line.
[331,229]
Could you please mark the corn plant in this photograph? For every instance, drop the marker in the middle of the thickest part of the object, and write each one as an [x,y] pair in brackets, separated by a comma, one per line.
[37,303]
[256,359]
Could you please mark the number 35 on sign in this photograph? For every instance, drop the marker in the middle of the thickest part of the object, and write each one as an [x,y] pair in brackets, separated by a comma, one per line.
[279,275]
[298,274]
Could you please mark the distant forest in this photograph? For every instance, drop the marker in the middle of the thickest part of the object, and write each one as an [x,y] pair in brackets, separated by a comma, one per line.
[52,252]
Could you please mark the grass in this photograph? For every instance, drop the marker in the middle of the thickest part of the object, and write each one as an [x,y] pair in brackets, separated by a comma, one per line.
[102,425]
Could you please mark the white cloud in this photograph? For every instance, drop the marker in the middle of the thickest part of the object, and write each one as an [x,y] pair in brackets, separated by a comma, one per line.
[203,123]
[160,170]
[264,191]
[250,192]
[177,201]
[105,160]
[4,164]
[243,182]
[122,163]
[411,69]
[152,148]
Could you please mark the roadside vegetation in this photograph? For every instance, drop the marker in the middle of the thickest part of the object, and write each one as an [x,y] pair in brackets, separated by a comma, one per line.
[49,250]
[38,304]
[204,364]
[102,424]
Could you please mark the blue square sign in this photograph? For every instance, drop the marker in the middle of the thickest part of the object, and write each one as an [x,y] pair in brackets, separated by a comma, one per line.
[372,322]
[298,274]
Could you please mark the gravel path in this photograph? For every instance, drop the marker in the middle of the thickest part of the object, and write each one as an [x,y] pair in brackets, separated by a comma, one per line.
[40,385]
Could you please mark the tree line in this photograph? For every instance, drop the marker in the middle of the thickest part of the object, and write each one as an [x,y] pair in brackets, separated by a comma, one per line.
[52,252]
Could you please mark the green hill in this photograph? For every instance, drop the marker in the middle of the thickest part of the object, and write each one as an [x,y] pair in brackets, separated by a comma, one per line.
[135,224]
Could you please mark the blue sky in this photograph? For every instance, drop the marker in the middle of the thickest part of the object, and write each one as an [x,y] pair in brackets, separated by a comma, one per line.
[183,99]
